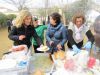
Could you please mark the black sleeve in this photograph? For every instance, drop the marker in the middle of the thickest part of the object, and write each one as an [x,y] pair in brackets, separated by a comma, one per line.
[70,37]
[90,36]
[13,34]
[37,38]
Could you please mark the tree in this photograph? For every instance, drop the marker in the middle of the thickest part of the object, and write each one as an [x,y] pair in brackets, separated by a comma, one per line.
[80,6]
[11,16]
[44,13]
[41,12]
[53,9]
[19,4]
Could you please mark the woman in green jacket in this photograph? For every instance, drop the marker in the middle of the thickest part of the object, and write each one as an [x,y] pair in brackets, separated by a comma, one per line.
[40,31]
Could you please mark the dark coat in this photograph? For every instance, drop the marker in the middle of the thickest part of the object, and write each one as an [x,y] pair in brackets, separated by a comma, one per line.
[28,31]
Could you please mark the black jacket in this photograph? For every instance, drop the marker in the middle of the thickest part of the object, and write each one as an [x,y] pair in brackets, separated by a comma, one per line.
[71,41]
[28,31]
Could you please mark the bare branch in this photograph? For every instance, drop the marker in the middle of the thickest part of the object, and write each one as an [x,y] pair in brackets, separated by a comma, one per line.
[19,4]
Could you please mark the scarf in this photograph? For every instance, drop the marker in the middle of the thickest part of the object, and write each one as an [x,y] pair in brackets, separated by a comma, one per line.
[78,35]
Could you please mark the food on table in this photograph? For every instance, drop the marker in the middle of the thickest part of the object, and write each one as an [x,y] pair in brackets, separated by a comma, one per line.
[38,72]
[43,48]
[59,55]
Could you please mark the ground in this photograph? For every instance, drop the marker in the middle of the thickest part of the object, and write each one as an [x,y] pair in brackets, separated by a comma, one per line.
[5,43]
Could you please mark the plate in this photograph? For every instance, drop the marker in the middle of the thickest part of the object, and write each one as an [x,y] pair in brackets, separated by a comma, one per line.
[40,49]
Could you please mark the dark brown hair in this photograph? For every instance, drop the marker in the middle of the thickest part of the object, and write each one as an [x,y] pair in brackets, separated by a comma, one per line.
[78,16]
[97,31]
[56,16]
[97,25]
[97,39]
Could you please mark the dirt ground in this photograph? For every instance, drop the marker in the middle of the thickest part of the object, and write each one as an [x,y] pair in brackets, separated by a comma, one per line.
[5,43]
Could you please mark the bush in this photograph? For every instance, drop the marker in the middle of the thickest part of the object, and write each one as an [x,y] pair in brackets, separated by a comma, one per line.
[3,20]
[11,16]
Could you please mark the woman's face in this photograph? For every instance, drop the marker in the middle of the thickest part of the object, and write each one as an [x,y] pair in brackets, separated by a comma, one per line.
[52,21]
[35,23]
[79,22]
[27,20]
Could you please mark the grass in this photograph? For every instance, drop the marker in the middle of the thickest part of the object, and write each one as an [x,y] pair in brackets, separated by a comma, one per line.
[5,43]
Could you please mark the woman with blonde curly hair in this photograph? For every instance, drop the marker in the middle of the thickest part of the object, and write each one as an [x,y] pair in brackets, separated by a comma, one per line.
[23,30]
[77,30]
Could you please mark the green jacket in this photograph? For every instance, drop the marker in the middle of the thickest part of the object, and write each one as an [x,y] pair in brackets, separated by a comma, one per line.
[40,31]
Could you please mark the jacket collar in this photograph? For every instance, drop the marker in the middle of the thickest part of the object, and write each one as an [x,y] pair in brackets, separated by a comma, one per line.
[55,28]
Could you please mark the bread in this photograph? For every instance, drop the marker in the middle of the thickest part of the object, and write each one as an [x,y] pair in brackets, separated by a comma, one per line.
[44,48]
[59,55]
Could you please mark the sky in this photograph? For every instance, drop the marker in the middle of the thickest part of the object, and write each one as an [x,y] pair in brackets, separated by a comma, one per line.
[36,3]
[6,5]
[97,1]
[40,3]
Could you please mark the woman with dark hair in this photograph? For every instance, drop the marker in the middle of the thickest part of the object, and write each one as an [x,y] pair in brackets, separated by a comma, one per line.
[56,33]
[76,33]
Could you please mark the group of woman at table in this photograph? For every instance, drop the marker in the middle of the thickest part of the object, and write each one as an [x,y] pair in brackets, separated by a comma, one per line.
[27,31]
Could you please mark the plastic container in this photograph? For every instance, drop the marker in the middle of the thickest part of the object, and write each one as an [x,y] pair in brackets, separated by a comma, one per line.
[69,65]
[21,68]
[91,62]
[17,70]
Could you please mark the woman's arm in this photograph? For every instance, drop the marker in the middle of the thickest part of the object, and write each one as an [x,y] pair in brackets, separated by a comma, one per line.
[48,35]
[64,35]
[70,37]
[37,38]
[90,36]
[44,27]
[13,34]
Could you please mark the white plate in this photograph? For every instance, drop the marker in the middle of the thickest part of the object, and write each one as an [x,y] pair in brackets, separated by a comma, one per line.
[40,49]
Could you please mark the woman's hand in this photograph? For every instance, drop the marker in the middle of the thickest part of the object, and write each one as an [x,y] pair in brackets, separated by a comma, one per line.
[88,45]
[59,46]
[21,37]
[41,45]
[75,49]
[51,43]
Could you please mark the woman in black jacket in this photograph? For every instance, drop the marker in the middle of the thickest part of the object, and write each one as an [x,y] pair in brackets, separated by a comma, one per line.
[23,30]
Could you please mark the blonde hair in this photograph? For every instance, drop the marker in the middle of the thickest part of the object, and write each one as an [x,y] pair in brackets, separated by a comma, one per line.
[22,15]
